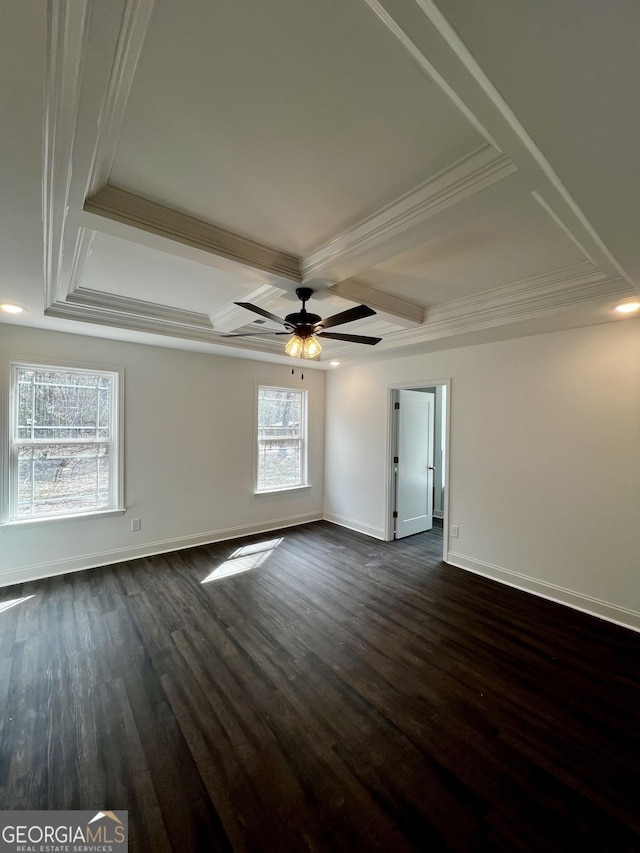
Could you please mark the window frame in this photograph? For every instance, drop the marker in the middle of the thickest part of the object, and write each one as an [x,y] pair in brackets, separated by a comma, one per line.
[9,496]
[304,438]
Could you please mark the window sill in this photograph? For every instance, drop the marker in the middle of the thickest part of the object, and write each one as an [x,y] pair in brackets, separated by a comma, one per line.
[81,516]
[283,489]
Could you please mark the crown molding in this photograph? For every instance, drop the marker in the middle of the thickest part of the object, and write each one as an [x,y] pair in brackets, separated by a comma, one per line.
[136,20]
[81,252]
[67,24]
[231,317]
[138,308]
[125,319]
[522,300]
[512,302]
[467,176]
[142,213]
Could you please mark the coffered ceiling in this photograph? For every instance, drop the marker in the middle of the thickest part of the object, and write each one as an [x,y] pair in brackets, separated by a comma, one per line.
[466,169]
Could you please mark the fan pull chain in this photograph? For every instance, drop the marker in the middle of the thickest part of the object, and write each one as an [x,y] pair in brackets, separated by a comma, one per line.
[293,374]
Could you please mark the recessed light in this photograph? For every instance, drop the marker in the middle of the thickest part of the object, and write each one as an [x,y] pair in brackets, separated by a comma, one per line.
[334,363]
[11,308]
[628,307]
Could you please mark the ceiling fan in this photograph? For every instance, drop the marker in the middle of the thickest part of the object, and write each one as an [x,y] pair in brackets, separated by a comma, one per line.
[305,328]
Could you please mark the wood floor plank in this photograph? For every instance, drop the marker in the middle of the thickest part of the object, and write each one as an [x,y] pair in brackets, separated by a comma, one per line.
[343,694]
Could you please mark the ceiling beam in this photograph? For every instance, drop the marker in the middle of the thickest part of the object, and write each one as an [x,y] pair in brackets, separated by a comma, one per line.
[394,308]
[140,213]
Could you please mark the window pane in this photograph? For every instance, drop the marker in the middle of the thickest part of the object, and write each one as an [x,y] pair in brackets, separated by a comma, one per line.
[104,408]
[58,404]
[56,479]
[279,413]
[279,464]
[280,438]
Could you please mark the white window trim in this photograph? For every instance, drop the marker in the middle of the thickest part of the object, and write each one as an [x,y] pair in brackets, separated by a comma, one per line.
[7,487]
[57,519]
[282,489]
[304,484]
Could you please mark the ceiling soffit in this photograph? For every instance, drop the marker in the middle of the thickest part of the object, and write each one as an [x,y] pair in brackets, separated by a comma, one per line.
[87,97]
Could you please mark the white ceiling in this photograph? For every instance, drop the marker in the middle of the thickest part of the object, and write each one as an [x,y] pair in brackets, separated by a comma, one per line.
[488,251]
[468,170]
[125,269]
[273,124]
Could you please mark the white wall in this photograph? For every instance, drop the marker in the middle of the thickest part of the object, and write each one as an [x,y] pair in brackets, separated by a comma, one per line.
[544,453]
[189,439]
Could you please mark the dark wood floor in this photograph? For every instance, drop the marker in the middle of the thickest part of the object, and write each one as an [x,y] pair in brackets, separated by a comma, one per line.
[345,694]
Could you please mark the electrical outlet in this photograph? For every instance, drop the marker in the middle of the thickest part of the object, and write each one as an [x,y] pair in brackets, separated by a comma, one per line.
[136,525]
[313,497]
[455,531]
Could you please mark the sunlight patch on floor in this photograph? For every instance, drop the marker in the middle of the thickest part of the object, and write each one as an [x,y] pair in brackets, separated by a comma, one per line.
[7,605]
[243,559]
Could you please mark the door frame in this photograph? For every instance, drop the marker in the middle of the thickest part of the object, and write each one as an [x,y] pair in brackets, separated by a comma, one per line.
[389,479]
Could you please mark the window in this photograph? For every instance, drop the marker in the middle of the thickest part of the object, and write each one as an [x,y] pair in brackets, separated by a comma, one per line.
[282,415]
[63,450]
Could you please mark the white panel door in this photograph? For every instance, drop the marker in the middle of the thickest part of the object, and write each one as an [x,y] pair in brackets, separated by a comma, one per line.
[414,469]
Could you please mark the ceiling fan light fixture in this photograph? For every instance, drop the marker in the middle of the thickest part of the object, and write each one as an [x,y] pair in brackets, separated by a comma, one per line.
[311,347]
[294,346]
[299,347]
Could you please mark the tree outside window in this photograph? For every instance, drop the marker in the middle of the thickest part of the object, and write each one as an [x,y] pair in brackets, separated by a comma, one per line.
[63,443]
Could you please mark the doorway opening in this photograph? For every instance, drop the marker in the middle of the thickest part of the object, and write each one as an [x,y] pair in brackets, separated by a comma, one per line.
[418,460]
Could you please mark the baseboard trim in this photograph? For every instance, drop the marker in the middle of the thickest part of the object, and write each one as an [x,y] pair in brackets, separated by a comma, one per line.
[570,598]
[121,555]
[354,524]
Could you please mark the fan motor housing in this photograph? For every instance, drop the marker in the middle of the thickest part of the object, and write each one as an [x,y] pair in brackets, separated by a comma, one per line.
[303,322]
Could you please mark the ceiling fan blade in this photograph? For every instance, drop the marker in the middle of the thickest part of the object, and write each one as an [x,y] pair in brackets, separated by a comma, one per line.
[357,313]
[257,310]
[254,334]
[354,339]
